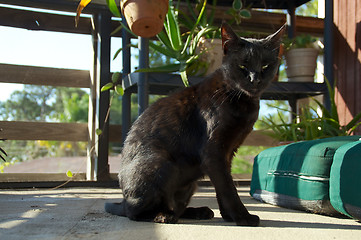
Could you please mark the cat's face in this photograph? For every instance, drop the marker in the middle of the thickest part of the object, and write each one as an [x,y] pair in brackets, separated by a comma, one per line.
[250,64]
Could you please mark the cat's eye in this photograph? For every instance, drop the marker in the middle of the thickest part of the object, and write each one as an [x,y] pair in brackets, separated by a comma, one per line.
[264,67]
[242,67]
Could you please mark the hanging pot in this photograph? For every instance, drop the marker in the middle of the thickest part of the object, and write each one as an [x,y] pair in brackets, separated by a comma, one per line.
[145,18]
[301,64]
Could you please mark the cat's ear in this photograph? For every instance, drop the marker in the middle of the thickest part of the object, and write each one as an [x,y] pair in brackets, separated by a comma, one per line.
[228,36]
[274,40]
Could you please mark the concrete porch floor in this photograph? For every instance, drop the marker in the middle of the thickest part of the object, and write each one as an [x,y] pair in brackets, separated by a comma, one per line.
[77,213]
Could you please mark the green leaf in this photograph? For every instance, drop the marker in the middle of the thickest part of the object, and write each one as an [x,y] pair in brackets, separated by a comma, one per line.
[117,53]
[165,51]
[184,78]
[201,33]
[201,12]
[354,121]
[189,38]
[127,29]
[107,87]
[119,90]
[69,174]
[186,20]
[163,38]
[352,129]
[237,4]
[173,30]
[115,77]
[245,13]
[120,27]
[113,8]
[98,131]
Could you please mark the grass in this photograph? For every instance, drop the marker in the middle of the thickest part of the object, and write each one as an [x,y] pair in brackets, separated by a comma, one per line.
[243,159]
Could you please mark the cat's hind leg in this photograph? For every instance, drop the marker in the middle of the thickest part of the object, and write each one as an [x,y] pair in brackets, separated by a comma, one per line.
[199,213]
[182,198]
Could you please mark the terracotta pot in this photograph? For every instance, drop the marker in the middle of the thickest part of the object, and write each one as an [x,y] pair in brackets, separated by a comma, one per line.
[145,18]
[301,64]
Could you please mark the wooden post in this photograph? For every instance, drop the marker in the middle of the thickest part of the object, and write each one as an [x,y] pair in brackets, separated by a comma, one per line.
[143,77]
[92,157]
[126,110]
[291,19]
[98,149]
[328,51]
[291,26]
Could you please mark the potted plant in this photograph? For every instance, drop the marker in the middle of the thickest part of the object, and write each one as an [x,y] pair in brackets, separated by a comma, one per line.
[301,58]
[209,46]
[310,124]
[177,45]
[145,18]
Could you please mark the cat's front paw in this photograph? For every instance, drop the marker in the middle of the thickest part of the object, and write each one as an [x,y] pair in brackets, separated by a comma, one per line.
[249,220]
[165,218]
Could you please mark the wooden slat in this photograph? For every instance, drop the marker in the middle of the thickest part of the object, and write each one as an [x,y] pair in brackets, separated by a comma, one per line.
[79,132]
[33,20]
[43,21]
[38,177]
[268,22]
[44,76]
[264,22]
[44,131]
[51,131]
[61,5]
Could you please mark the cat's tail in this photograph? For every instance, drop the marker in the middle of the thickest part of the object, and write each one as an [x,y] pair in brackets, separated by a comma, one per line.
[115,209]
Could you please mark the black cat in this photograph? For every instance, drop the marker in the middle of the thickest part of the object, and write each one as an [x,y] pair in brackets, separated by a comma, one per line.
[195,132]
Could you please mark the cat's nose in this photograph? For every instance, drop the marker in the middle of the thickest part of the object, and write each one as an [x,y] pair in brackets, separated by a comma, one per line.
[253,78]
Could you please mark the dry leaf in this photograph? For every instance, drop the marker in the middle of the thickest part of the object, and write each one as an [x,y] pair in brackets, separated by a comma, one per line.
[81,6]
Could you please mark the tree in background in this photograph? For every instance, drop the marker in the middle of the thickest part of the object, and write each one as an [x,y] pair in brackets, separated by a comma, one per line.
[308,9]
[45,104]
[30,104]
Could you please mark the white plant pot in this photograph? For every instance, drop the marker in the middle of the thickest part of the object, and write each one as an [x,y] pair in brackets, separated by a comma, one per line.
[301,64]
[211,52]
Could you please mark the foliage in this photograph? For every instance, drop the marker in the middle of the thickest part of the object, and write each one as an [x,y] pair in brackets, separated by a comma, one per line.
[270,109]
[300,41]
[32,103]
[238,12]
[40,103]
[115,84]
[199,20]
[243,159]
[308,9]
[177,45]
[309,124]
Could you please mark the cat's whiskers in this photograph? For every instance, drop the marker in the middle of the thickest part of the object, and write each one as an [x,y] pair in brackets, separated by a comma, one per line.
[234,95]
[239,94]
[219,94]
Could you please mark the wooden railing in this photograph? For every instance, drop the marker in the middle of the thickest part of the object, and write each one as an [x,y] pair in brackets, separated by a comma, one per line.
[99,26]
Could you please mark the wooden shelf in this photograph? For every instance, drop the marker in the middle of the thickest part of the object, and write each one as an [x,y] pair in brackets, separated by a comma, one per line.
[164,83]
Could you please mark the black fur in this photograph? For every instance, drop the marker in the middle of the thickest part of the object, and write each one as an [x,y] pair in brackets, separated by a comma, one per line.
[193,133]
